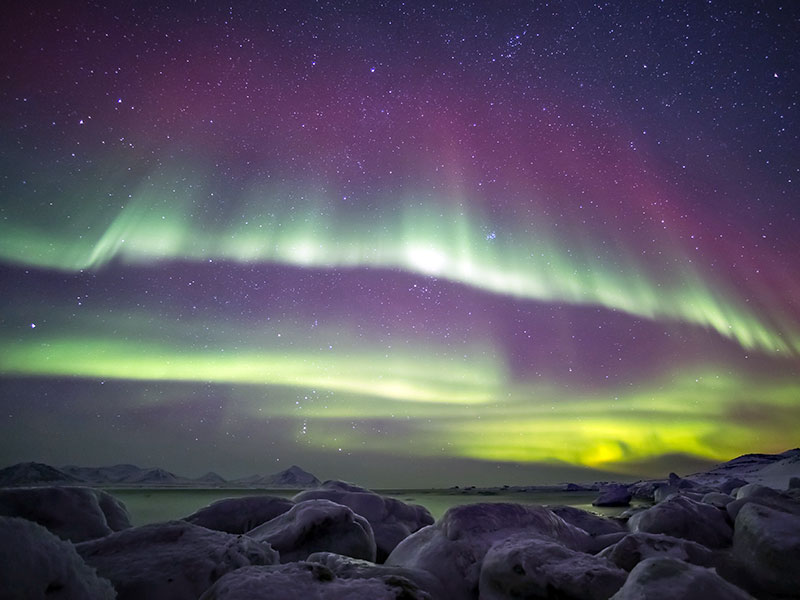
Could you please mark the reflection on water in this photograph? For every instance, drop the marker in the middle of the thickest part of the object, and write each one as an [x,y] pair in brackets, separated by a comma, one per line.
[154,505]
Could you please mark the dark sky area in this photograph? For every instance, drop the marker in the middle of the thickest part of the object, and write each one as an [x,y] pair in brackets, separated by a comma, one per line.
[400,243]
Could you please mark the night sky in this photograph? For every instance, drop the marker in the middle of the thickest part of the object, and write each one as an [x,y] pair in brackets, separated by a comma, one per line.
[401,243]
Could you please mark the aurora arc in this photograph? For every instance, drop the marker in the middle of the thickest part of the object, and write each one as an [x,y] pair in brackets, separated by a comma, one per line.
[446,242]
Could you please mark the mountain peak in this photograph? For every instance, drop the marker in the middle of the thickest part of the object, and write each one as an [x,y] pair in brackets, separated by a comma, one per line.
[211,477]
[294,475]
[28,473]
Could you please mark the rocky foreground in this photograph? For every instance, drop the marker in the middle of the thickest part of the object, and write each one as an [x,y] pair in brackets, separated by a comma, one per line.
[714,535]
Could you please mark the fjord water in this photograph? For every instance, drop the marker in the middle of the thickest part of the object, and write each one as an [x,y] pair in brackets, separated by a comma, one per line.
[152,505]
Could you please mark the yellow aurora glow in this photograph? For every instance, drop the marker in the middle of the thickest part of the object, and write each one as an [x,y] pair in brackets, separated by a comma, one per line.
[449,404]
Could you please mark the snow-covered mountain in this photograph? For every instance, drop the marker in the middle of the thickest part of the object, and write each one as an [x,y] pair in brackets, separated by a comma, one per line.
[211,478]
[33,473]
[772,470]
[125,474]
[154,476]
[111,474]
[294,476]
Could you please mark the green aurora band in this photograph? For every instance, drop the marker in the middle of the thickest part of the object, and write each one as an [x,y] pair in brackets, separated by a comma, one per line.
[399,377]
[451,405]
[165,220]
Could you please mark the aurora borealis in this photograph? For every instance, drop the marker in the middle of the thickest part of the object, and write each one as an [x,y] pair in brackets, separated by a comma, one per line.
[399,243]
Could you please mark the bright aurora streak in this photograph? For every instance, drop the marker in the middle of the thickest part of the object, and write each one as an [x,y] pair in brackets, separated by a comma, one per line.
[506,244]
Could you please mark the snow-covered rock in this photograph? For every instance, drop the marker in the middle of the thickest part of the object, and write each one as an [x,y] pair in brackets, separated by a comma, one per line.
[171,561]
[72,513]
[728,484]
[529,567]
[636,547]
[683,483]
[755,490]
[662,492]
[717,499]
[354,568]
[613,495]
[308,581]
[591,523]
[628,513]
[779,473]
[36,565]
[317,526]
[765,496]
[240,515]
[669,578]
[645,490]
[392,520]
[766,543]
[774,470]
[685,518]
[114,510]
[453,549]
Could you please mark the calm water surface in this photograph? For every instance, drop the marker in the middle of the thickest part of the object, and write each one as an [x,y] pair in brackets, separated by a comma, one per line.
[154,505]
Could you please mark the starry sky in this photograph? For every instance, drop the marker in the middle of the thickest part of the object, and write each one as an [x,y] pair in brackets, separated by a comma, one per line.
[401,243]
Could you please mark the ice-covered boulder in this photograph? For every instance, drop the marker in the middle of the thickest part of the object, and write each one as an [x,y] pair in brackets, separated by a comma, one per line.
[717,499]
[690,486]
[755,490]
[171,561]
[392,520]
[765,496]
[677,481]
[317,526]
[669,578]
[526,567]
[613,495]
[685,518]
[37,565]
[72,513]
[662,492]
[240,515]
[766,544]
[354,568]
[629,512]
[114,510]
[309,581]
[454,547]
[636,547]
[591,523]
[729,484]
[645,490]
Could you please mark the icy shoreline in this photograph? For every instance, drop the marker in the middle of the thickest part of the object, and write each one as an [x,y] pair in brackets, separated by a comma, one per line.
[721,533]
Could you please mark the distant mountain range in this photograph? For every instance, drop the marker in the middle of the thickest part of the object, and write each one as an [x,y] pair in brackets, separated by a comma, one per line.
[294,476]
[774,470]
[32,473]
